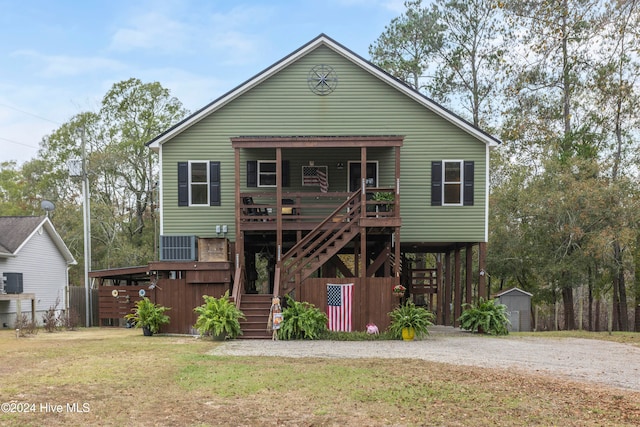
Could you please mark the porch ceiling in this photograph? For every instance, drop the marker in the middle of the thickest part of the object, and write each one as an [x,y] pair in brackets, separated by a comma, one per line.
[316,141]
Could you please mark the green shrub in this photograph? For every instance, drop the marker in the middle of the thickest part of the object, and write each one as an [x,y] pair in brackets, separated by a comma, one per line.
[147,314]
[218,317]
[301,320]
[410,316]
[486,317]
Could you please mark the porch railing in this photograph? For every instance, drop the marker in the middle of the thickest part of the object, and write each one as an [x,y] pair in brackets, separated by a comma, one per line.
[307,209]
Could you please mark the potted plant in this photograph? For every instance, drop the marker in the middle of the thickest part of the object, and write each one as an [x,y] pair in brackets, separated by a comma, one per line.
[399,290]
[301,320]
[148,316]
[386,198]
[218,317]
[409,321]
[486,317]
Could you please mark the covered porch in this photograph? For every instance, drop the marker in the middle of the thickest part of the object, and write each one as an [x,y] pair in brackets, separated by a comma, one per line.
[315,225]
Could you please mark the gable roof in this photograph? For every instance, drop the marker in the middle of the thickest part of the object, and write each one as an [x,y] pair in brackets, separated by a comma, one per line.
[15,232]
[323,40]
[513,291]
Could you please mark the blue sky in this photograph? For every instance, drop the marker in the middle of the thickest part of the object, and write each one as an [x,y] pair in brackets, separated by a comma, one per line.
[58,58]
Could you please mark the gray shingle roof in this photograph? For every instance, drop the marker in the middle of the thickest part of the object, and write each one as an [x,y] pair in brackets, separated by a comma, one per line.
[14,230]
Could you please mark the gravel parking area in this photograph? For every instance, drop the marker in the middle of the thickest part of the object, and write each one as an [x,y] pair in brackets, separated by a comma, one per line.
[613,364]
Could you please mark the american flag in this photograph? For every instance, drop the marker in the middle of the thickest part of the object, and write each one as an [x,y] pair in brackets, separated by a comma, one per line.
[322,180]
[339,298]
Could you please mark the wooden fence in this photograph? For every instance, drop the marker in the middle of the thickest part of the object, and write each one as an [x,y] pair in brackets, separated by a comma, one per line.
[179,295]
[372,298]
[77,303]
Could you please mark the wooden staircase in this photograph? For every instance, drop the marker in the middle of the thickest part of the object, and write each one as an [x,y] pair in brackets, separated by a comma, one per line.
[256,309]
[322,243]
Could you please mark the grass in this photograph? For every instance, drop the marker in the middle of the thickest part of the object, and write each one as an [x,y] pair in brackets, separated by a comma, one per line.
[123,378]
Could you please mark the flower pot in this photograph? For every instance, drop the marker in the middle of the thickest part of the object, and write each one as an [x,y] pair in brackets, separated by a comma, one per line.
[219,337]
[146,331]
[408,334]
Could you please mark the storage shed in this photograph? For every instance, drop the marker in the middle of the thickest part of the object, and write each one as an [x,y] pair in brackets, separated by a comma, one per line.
[518,304]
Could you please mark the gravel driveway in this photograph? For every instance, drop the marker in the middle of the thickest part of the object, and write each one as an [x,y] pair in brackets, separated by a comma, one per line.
[604,362]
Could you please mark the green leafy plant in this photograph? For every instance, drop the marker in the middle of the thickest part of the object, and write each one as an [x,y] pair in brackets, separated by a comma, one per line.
[149,315]
[301,320]
[384,196]
[486,317]
[410,316]
[218,317]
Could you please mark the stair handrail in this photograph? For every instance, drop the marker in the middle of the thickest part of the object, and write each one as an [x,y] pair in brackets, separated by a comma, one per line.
[276,282]
[238,283]
[315,233]
[326,240]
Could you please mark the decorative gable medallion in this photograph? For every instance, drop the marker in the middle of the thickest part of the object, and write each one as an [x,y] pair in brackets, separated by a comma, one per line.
[322,80]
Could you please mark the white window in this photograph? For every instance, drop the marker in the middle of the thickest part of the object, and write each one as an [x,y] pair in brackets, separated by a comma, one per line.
[266,173]
[199,183]
[452,180]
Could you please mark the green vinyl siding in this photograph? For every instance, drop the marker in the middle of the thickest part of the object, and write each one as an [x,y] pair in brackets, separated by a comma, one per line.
[362,104]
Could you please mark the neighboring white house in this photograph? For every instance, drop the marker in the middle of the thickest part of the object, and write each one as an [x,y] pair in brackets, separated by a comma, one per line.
[33,252]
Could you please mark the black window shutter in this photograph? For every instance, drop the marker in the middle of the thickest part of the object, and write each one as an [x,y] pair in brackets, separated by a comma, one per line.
[285,173]
[183,184]
[214,183]
[252,173]
[468,183]
[436,183]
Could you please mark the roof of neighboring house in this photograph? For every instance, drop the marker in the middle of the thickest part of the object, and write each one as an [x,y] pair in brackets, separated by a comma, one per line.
[513,290]
[323,40]
[15,232]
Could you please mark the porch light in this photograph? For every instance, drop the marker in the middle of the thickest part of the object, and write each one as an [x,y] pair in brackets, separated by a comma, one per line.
[340,166]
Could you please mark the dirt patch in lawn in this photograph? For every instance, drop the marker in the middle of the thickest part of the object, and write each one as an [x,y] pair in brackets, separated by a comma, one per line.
[114,377]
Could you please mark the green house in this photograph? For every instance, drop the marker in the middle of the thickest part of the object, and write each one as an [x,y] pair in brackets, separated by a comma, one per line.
[324,169]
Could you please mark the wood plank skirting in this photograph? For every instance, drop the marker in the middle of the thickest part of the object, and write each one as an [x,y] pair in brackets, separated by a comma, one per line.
[180,296]
[372,299]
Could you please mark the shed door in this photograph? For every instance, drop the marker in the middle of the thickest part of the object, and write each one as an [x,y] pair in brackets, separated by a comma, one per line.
[514,318]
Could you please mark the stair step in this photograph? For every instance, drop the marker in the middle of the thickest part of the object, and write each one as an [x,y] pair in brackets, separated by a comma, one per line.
[256,308]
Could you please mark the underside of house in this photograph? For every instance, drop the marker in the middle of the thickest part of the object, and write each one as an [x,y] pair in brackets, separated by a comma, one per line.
[312,239]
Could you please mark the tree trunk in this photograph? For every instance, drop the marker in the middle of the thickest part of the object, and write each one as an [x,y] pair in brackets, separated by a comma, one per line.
[569,315]
[636,284]
[620,304]
[590,300]
[623,313]
[614,306]
[597,319]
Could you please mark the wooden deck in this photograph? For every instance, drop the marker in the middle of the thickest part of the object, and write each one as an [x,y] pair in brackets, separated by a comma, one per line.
[304,211]
[18,298]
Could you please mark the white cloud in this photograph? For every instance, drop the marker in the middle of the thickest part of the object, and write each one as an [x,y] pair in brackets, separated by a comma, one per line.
[152,31]
[60,65]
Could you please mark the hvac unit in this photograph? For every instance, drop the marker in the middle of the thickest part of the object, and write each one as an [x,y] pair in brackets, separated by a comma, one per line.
[12,283]
[178,248]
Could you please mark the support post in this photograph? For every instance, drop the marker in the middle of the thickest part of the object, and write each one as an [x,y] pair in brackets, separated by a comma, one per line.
[87,230]
[482,268]
[457,291]
[468,294]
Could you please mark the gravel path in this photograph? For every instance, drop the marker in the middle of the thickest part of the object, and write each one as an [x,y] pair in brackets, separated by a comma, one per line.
[604,362]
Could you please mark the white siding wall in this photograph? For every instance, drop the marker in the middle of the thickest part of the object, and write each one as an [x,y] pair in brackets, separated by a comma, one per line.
[44,273]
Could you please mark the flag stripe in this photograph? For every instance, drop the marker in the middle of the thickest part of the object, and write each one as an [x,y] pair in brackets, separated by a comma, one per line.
[322,181]
[339,301]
